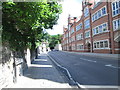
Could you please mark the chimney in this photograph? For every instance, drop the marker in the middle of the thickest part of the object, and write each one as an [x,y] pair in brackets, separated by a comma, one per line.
[75,19]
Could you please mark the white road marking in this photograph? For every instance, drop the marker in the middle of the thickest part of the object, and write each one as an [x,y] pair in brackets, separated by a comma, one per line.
[88,60]
[96,86]
[110,65]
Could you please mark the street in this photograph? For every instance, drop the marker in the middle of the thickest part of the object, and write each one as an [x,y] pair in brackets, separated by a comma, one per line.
[87,70]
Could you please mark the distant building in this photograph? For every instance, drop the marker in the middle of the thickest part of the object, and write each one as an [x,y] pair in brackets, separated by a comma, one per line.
[58,47]
[97,30]
[43,48]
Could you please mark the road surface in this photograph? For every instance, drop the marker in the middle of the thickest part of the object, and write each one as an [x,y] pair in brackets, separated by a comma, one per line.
[87,70]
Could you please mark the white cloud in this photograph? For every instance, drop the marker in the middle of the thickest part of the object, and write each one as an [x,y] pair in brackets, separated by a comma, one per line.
[71,7]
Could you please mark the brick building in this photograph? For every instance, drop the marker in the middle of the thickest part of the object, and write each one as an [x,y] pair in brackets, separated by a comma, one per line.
[97,30]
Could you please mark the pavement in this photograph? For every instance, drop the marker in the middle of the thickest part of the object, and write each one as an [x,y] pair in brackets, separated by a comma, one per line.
[101,55]
[42,73]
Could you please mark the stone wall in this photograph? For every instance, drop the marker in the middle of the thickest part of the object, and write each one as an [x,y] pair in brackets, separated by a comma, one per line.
[6,68]
[11,67]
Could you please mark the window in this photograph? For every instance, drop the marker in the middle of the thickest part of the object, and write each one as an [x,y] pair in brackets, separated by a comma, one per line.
[94,45]
[81,46]
[78,27]
[102,44]
[103,11]
[98,44]
[100,13]
[105,43]
[104,27]
[97,30]
[100,29]
[87,34]
[116,8]
[86,12]
[93,18]
[87,24]
[96,16]
[94,31]
[79,36]
[116,24]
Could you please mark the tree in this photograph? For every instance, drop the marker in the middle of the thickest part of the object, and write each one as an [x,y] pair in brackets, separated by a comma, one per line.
[55,39]
[23,22]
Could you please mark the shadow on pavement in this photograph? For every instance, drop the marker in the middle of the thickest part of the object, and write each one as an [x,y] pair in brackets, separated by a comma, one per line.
[43,68]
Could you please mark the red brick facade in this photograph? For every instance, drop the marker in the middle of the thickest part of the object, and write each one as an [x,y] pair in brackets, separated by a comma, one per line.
[97,30]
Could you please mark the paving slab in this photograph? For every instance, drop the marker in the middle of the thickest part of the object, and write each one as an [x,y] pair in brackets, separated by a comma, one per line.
[42,73]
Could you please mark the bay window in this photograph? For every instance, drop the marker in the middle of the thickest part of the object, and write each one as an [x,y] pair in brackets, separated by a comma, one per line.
[87,24]
[116,8]
[102,44]
[86,12]
[116,24]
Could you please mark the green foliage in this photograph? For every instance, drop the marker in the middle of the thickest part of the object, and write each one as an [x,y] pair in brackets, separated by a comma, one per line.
[52,39]
[23,22]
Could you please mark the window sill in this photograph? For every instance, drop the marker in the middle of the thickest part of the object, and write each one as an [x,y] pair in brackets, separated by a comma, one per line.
[115,15]
[116,29]
[87,37]
[87,28]
[79,39]
[100,48]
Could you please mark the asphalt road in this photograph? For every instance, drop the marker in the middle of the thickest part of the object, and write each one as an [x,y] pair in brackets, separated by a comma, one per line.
[87,70]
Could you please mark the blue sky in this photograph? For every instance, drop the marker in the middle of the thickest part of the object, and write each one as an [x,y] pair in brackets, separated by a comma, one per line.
[72,7]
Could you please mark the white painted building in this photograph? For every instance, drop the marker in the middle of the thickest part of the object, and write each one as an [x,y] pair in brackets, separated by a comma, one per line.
[58,47]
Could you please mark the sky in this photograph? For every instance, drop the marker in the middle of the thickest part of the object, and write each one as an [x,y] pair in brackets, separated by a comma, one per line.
[72,7]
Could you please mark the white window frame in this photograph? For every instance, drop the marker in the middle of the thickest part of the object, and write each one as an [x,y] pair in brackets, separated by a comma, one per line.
[87,32]
[79,36]
[93,15]
[78,46]
[105,11]
[99,44]
[86,11]
[87,23]
[99,13]
[115,7]
[79,27]
[118,27]
[99,30]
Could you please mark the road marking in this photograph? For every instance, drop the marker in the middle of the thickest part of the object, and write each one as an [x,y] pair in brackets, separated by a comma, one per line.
[87,87]
[69,75]
[88,60]
[110,65]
